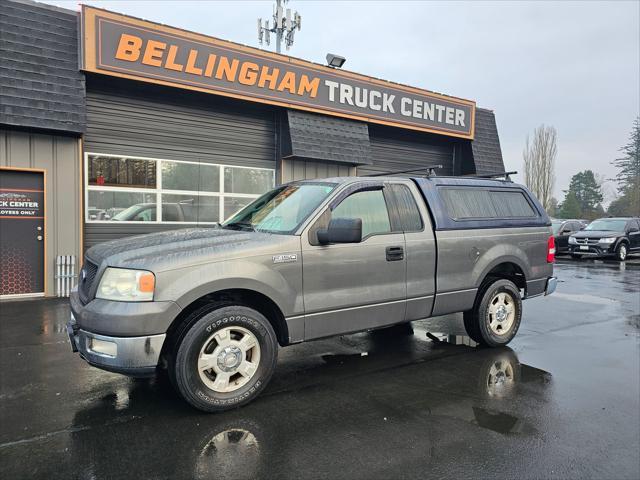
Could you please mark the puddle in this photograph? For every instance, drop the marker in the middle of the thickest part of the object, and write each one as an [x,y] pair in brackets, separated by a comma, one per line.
[500,422]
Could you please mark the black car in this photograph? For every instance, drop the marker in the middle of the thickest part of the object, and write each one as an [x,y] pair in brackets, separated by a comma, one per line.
[607,237]
[562,230]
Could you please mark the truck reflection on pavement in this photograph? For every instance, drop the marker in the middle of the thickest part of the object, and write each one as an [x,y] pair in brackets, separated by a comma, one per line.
[315,427]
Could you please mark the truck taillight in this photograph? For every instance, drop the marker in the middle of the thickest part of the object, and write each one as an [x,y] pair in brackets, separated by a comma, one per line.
[551,250]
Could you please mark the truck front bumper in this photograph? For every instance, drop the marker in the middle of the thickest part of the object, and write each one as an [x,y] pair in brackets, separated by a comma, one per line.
[133,356]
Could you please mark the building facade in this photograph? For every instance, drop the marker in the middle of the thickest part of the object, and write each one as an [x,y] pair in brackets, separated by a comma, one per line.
[113,126]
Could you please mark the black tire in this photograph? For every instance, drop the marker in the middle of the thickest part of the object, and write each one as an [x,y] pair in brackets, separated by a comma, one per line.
[622,252]
[477,321]
[183,363]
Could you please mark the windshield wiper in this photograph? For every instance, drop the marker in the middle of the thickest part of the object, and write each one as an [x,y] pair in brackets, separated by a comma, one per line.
[239,226]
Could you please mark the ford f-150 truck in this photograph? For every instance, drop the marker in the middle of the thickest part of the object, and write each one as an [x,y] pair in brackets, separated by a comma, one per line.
[307,260]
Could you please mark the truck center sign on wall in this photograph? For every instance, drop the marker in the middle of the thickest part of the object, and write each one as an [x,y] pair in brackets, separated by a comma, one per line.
[127,47]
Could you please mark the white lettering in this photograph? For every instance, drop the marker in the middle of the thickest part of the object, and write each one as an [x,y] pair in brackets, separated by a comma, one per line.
[346,93]
[429,112]
[374,94]
[361,97]
[387,103]
[440,109]
[404,106]
[460,117]
[417,109]
[332,89]
[449,115]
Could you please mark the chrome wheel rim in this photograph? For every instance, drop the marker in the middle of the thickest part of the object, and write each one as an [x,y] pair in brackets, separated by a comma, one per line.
[623,252]
[229,359]
[502,313]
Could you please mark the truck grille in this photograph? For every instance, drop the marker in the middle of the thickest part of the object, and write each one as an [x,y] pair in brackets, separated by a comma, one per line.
[87,277]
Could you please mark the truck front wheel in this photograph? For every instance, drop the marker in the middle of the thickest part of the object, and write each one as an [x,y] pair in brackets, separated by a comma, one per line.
[496,314]
[225,359]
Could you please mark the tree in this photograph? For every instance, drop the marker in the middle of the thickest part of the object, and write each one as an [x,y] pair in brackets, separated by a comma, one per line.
[628,176]
[540,163]
[587,192]
[570,208]
[553,207]
[627,205]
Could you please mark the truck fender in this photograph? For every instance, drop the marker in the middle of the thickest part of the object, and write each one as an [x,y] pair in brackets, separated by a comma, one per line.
[210,278]
[498,255]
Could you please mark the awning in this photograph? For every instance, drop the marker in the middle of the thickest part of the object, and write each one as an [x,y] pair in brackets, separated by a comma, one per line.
[320,137]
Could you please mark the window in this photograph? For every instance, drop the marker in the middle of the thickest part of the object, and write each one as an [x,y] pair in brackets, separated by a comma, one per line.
[511,204]
[607,225]
[283,209]
[190,176]
[410,218]
[370,206]
[470,203]
[132,189]
[121,172]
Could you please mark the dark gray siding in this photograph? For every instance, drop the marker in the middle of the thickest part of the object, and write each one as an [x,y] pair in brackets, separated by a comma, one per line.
[40,85]
[393,149]
[128,118]
[320,137]
[487,154]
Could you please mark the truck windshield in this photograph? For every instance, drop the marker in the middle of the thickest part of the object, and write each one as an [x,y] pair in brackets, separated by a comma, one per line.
[281,210]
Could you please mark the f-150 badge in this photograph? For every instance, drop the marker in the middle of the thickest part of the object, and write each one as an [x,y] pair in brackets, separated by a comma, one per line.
[285,258]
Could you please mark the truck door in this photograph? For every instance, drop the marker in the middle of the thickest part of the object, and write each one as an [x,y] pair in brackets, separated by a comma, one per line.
[355,286]
[420,249]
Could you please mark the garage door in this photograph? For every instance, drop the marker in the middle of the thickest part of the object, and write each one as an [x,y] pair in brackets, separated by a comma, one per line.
[395,150]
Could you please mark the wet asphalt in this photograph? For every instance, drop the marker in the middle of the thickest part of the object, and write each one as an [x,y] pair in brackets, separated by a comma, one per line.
[562,402]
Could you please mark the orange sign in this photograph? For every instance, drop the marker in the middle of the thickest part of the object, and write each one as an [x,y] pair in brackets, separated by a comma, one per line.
[122,46]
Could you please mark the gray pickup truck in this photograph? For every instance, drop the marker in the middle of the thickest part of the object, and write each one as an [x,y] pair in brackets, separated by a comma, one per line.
[307,260]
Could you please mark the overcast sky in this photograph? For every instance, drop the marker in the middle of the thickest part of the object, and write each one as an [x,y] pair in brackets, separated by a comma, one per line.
[573,65]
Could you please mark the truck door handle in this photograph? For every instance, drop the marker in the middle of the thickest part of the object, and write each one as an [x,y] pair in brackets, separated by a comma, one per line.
[394,254]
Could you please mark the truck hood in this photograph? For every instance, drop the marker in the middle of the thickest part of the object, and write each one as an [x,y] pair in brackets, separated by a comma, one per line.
[596,234]
[178,248]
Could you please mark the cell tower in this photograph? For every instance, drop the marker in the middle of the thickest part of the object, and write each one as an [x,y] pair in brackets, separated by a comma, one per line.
[284,26]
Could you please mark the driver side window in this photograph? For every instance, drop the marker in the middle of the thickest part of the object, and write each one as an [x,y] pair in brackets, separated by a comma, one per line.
[371,207]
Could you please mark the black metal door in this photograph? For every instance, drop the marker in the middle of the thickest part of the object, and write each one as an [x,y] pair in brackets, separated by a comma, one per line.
[22,214]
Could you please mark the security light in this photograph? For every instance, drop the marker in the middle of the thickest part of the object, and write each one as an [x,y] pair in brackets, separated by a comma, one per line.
[335,61]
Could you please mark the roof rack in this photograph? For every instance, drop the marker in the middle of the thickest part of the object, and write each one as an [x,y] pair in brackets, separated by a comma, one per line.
[430,171]
[506,175]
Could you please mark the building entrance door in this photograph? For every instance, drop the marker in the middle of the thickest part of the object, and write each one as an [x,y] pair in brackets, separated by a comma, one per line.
[22,234]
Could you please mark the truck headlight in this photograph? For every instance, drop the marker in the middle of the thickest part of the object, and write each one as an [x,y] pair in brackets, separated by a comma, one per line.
[572,241]
[126,285]
[607,240]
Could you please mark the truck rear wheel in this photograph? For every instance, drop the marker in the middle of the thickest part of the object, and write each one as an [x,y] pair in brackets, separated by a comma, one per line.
[495,317]
[225,359]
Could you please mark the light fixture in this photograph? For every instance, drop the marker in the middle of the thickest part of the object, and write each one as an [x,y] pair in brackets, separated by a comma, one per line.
[335,61]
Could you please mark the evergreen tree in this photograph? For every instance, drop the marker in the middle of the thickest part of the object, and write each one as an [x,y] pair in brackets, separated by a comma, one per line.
[587,192]
[628,177]
[570,208]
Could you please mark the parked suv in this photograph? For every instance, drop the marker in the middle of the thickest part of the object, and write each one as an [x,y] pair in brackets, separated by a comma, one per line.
[562,230]
[607,237]
[308,260]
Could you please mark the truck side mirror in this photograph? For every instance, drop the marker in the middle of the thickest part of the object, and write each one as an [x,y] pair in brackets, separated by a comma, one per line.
[341,230]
